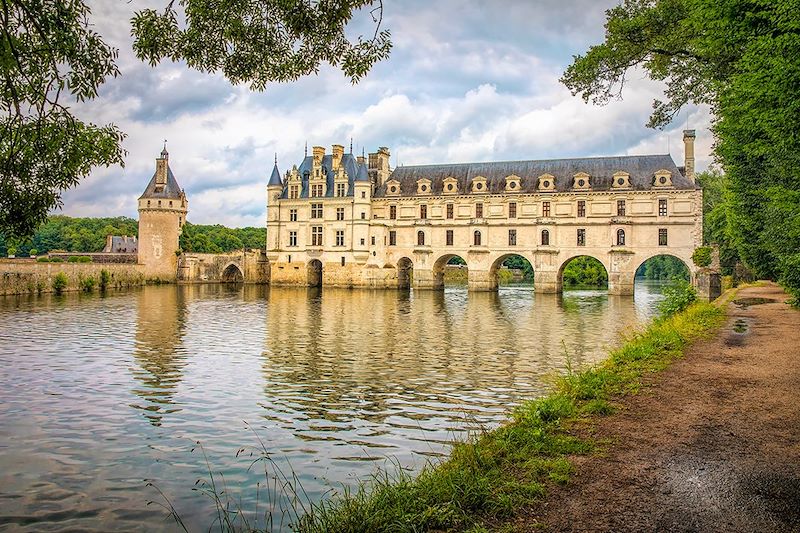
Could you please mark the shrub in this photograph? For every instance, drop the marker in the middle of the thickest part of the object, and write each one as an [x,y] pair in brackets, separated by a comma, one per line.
[702,256]
[87,284]
[12,251]
[677,297]
[43,259]
[32,252]
[105,279]
[56,260]
[60,283]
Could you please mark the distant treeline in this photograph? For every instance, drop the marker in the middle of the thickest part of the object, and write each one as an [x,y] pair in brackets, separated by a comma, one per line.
[89,235]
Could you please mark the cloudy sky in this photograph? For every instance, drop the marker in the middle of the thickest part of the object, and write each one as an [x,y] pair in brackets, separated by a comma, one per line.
[467,80]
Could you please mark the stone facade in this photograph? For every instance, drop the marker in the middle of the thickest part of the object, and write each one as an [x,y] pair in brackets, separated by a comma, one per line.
[341,220]
[30,277]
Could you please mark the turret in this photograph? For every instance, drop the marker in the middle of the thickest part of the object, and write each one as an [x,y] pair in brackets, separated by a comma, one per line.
[162,213]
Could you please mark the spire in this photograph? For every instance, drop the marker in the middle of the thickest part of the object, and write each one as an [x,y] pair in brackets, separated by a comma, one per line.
[305,152]
[164,153]
[351,145]
[275,177]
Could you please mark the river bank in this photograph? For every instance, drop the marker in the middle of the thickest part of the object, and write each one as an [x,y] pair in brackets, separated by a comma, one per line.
[713,445]
[499,479]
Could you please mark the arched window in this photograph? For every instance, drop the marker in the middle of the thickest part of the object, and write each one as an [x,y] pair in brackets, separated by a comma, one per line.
[545,238]
[420,238]
[476,238]
[620,237]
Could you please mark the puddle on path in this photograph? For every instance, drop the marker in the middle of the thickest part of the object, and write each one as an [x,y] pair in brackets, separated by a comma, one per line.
[747,302]
[738,332]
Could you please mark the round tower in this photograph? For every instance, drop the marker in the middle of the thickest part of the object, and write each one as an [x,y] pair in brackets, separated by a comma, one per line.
[162,214]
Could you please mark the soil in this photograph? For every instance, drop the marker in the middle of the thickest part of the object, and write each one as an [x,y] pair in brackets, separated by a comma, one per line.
[712,445]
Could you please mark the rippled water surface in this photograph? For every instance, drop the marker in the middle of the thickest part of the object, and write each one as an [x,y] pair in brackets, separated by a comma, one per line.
[100,393]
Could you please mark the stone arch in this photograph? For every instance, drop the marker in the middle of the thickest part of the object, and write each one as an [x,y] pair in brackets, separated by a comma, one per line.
[405,273]
[494,269]
[560,278]
[232,274]
[439,267]
[314,273]
[686,263]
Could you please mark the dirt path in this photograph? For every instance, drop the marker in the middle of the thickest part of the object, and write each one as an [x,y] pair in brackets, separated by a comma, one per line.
[714,445]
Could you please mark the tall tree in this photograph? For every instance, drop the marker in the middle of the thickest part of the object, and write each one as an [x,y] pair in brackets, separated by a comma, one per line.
[743,58]
[51,58]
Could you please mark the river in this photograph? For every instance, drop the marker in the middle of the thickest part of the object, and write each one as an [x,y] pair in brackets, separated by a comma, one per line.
[100,394]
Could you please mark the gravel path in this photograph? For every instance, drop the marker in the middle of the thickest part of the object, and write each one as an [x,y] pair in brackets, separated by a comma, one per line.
[714,445]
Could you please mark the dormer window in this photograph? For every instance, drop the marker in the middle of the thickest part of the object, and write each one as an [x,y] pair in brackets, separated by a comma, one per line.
[546,182]
[479,185]
[450,185]
[621,180]
[663,178]
[513,183]
[581,181]
[423,186]
[393,188]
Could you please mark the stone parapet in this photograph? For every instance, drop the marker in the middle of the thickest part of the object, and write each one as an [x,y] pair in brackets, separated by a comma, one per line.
[29,277]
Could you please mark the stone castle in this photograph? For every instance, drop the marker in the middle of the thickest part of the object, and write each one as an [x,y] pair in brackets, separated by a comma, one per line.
[338,219]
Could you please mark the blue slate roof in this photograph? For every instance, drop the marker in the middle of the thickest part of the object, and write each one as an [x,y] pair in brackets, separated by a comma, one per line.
[275,178]
[355,172]
[171,189]
[642,169]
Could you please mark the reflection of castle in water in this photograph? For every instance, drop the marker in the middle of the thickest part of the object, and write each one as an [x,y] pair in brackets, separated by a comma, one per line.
[382,357]
[160,324]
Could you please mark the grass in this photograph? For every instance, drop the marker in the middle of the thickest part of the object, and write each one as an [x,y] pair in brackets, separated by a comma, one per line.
[490,477]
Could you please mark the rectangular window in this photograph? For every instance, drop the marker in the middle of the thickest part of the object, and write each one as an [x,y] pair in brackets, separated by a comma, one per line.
[362,242]
[316,190]
[512,237]
[316,210]
[620,208]
[512,210]
[340,189]
[363,194]
[545,209]
[449,237]
[423,211]
[293,191]
[316,235]
[373,240]
[292,238]
[662,208]
[363,215]
[581,237]
[449,210]
[339,237]
[662,237]
[392,238]
[393,212]
[292,215]
[479,210]
[340,213]
[581,208]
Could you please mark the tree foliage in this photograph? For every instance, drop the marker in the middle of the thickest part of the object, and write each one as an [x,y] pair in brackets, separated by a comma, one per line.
[743,58]
[52,57]
[663,267]
[258,42]
[585,271]
[218,239]
[48,51]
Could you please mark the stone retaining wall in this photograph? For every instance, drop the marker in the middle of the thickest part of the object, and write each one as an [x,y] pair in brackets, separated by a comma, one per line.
[23,277]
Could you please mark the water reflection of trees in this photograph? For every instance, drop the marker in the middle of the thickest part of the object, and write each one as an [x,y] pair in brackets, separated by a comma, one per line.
[160,324]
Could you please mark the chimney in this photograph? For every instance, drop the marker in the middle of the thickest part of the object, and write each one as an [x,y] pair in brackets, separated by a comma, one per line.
[338,152]
[161,168]
[688,146]
[379,165]
[319,153]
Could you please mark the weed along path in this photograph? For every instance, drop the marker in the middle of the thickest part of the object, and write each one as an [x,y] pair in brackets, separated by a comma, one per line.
[712,445]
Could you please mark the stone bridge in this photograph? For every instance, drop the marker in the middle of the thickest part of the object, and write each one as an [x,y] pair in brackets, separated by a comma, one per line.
[243,266]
